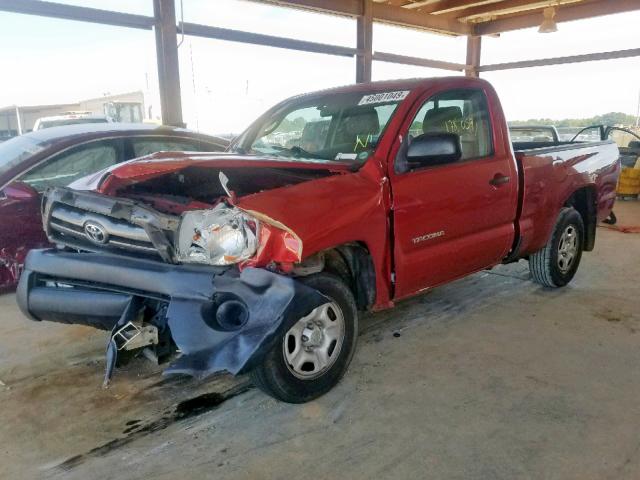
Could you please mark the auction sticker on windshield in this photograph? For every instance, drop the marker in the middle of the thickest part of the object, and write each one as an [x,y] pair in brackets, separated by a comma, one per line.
[383,97]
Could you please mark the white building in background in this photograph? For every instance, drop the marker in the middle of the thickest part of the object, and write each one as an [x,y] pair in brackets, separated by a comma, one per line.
[124,107]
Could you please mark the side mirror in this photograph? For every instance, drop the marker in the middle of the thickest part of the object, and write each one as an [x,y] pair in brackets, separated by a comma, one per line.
[19,191]
[431,149]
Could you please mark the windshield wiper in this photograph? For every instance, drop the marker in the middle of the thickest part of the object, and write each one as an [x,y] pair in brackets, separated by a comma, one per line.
[301,152]
[295,152]
[239,150]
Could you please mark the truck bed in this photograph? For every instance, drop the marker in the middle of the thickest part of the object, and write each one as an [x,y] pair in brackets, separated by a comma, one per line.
[524,146]
[551,174]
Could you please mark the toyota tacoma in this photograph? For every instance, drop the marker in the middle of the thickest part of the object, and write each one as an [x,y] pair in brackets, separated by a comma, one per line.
[259,259]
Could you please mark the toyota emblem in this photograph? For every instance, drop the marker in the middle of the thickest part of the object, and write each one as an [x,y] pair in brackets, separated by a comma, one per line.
[96,233]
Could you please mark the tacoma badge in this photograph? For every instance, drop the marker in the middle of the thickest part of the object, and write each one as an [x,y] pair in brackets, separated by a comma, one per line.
[428,236]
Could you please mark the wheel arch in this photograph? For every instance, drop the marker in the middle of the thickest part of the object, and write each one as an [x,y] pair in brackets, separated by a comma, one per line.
[584,200]
[353,263]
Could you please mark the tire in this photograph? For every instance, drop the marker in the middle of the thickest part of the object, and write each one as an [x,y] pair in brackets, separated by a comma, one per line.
[276,375]
[553,265]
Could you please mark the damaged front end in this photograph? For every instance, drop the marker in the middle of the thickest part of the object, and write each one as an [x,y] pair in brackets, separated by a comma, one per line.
[219,318]
[221,234]
[162,283]
[11,261]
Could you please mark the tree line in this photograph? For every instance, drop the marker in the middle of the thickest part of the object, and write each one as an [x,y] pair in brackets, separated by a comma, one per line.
[611,118]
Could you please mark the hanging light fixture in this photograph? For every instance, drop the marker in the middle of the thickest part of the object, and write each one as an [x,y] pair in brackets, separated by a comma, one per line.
[548,25]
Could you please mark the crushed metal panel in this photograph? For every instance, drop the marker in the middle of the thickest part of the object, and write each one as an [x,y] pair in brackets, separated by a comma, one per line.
[219,318]
[273,304]
[11,262]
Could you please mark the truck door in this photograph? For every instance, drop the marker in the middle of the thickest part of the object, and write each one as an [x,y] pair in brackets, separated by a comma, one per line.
[452,218]
[628,145]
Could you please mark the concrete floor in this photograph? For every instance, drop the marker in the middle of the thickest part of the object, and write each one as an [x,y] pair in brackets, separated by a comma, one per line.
[491,377]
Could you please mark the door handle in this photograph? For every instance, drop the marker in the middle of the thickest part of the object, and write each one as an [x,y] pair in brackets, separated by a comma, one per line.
[499,179]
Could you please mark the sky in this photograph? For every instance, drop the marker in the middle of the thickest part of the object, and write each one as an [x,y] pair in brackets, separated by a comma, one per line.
[226,85]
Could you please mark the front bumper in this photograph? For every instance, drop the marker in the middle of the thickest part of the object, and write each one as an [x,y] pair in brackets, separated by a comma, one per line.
[219,318]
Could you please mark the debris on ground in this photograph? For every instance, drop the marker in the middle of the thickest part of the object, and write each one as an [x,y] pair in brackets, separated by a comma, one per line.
[623,228]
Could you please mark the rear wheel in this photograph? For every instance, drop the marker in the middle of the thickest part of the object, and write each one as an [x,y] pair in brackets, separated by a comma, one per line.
[315,352]
[557,263]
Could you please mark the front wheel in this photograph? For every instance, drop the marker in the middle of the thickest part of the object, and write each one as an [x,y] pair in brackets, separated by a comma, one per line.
[315,352]
[557,262]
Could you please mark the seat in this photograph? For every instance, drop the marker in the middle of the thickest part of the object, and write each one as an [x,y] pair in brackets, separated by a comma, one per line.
[439,120]
[450,120]
[358,125]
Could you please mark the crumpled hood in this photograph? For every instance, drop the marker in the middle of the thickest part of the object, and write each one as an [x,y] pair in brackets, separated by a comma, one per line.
[322,203]
[160,164]
[330,211]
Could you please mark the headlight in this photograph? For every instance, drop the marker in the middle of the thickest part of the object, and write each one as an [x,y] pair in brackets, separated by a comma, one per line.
[221,236]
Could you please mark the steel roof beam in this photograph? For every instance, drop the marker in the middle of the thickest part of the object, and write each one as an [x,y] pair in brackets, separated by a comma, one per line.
[82,14]
[444,6]
[230,35]
[500,8]
[382,13]
[565,13]
[418,61]
[589,57]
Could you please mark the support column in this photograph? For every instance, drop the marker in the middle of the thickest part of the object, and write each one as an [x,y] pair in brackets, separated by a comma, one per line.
[168,67]
[364,58]
[473,56]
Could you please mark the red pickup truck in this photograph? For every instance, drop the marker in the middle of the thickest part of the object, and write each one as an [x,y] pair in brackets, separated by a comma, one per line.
[258,260]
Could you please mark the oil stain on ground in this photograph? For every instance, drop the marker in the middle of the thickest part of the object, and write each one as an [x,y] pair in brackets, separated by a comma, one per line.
[136,429]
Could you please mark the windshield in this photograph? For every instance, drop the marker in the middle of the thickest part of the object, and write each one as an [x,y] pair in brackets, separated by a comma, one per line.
[334,126]
[17,149]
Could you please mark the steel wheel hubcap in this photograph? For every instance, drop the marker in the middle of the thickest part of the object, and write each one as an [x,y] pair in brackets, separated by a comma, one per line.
[313,344]
[567,248]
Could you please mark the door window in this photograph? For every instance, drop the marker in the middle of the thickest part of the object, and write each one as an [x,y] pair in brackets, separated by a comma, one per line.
[589,134]
[628,145]
[463,112]
[624,138]
[71,165]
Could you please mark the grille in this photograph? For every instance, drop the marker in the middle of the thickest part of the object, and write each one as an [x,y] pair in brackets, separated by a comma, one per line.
[93,231]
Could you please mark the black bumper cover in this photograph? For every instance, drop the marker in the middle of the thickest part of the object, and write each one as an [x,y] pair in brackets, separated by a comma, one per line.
[198,302]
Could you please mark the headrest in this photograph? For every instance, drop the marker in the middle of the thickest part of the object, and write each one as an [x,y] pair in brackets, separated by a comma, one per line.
[435,120]
[361,122]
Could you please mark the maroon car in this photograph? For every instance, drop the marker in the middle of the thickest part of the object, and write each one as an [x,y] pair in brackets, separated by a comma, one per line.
[55,157]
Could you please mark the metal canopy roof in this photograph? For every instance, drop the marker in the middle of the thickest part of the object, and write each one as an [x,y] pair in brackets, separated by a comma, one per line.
[466,17]
[471,18]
